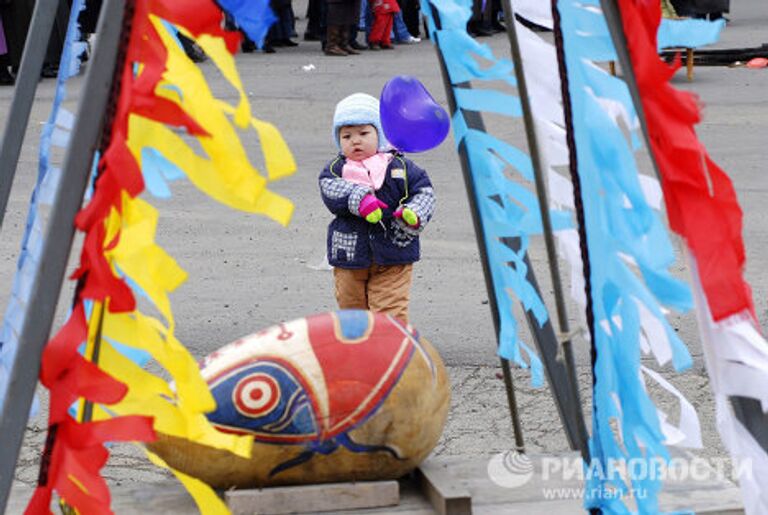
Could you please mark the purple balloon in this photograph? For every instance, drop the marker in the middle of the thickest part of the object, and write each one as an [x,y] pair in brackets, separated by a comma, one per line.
[411,119]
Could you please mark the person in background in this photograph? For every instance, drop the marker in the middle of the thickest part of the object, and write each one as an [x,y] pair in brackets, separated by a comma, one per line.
[16,16]
[281,32]
[341,15]
[381,202]
[711,9]
[247,45]
[480,23]
[89,16]
[6,79]
[497,14]
[411,16]
[401,33]
[366,19]
[313,31]
[361,25]
[383,22]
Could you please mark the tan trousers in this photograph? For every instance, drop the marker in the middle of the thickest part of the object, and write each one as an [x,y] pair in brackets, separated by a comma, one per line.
[378,288]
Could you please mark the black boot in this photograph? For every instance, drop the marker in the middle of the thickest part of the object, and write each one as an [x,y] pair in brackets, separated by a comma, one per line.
[49,71]
[6,79]
[353,44]
[247,46]
[344,42]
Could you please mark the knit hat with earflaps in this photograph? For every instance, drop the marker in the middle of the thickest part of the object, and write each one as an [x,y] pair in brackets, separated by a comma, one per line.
[358,109]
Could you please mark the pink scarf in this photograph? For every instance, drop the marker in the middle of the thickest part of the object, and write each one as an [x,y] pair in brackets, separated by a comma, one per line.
[368,172]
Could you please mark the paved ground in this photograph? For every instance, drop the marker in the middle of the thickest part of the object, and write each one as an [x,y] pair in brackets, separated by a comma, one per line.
[247,273]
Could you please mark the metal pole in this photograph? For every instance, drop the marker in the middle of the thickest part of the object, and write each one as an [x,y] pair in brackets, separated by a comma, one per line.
[615,27]
[543,335]
[573,168]
[58,239]
[549,239]
[474,121]
[748,411]
[32,59]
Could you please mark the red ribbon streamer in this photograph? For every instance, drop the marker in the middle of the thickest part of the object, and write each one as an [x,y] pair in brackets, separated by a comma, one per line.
[75,450]
[701,201]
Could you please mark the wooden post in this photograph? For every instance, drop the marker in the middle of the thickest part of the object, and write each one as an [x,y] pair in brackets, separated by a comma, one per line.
[689,63]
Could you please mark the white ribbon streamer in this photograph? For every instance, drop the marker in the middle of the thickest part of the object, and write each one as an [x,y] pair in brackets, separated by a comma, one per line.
[544,86]
[736,356]
[537,11]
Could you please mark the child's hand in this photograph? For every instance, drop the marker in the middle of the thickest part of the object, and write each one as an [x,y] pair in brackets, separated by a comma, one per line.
[370,209]
[408,216]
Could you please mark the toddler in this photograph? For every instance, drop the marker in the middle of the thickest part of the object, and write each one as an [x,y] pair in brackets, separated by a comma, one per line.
[381,202]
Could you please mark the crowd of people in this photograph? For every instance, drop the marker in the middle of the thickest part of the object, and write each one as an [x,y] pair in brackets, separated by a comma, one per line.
[701,9]
[338,24]
[347,27]
[342,27]
[15,19]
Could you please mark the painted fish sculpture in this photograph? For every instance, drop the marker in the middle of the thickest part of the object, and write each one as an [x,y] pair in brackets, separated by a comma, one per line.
[342,396]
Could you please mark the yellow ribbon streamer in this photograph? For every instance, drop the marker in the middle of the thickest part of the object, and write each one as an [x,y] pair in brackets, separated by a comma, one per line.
[224,172]
[204,496]
[206,174]
[140,258]
[179,413]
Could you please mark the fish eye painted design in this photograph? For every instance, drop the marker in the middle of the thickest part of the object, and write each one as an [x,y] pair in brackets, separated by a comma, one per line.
[256,395]
[266,399]
[311,381]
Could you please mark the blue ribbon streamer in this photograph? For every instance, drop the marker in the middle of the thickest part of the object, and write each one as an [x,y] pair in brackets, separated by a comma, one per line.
[56,132]
[466,68]
[508,209]
[619,224]
[157,171]
[689,33]
[254,17]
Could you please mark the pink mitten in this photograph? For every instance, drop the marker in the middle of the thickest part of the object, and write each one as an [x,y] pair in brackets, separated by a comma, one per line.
[408,216]
[370,209]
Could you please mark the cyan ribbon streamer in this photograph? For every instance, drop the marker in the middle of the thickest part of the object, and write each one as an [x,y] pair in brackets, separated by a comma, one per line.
[688,33]
[157,172]
[459,44]
[622,232]
[55,132]
[508,209]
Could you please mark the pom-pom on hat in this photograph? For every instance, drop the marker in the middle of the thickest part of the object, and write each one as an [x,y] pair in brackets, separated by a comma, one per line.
[358,109]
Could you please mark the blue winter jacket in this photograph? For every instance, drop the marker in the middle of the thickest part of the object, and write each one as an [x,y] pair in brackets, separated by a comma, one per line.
[355,243]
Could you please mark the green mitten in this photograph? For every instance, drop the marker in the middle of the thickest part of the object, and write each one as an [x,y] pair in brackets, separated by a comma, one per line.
[408,216]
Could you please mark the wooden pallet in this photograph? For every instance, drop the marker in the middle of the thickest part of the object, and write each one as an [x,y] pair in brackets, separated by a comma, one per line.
[445,494]
[454,485]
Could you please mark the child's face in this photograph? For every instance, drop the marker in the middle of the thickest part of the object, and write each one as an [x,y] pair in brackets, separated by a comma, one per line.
[358,142]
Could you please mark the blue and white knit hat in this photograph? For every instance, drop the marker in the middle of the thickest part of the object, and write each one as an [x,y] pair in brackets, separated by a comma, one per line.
[358,109]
